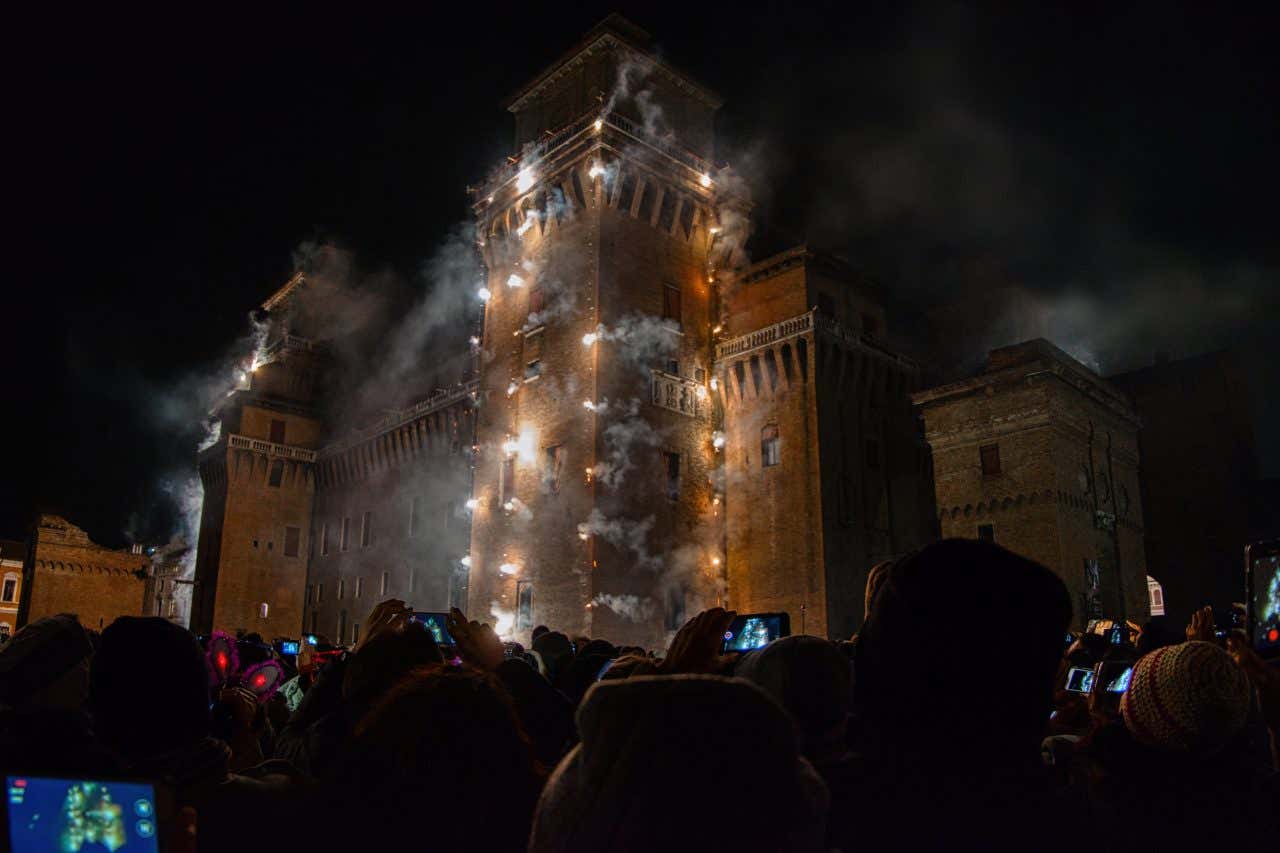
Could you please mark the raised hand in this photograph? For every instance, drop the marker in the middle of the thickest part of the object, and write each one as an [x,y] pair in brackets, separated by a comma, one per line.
[696,647]
[477,643]
[390,615]
[1201,627]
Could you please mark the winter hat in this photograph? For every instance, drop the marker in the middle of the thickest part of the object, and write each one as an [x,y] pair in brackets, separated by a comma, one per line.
[41,653]
[1186,698]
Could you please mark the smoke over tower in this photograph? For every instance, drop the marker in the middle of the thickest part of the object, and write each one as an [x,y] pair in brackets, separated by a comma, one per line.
[595,509]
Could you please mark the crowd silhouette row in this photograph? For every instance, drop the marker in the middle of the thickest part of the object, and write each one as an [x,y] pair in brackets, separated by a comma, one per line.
[946,722]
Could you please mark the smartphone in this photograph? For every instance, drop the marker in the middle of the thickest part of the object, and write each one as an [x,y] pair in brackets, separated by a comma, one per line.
[755,630]
[46,813]
[311,638]
[1111,677]
[1262,601]
[289,647]
[1116,635]
[435,623]
[1080,679]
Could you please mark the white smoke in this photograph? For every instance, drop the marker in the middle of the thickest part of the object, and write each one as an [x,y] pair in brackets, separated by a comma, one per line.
[631,607]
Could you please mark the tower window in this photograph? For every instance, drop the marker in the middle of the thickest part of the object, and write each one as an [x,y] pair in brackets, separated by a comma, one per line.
[319,593]
[324,540]
[355,632]
[990,456]
[554,461]
[360,586]
[306,596]
[10,590]
[342,626]
[673,367]
[386,583]
[524,604]
[533,354]
[770,446]
[366,522]
[413,516]
[277,432]
[292,538]
[277,474]
[342,588]
[507,479]
[672,462]
[987,532]
[671,307]
[263,609]
[537,299]
[345,541]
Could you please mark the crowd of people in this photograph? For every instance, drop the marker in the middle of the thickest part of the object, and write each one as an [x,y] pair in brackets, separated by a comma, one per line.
[946,721]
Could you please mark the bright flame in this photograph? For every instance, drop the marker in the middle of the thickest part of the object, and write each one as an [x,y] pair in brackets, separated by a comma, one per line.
[490,199]
[704,179]
[715,383]
[472,503]
[715,229]
[513,388]
[702,392]
[485,294]
[715,561]
[589,338]
[510,446]
[466,561]
[509,569]
[717,440]
[515,281]
[595,171]
[599,123]
[588,405]
[716,331]
[503,621]
[527,445]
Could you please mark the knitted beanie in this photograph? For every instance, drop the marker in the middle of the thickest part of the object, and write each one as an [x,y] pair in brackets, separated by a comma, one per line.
[1186,698]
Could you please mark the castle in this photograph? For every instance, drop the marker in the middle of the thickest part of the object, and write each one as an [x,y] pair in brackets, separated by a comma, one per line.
[644,423]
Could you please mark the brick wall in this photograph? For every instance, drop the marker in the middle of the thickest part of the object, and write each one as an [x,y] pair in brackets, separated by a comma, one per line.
[68,573]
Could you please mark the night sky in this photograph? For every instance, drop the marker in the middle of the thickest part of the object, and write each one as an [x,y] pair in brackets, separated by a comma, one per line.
[1109,170]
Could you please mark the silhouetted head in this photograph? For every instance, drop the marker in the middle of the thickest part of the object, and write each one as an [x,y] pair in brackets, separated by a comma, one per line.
[46,664]
[1157,633]
[149,687]
[813,680]
[921,675]
[385,659]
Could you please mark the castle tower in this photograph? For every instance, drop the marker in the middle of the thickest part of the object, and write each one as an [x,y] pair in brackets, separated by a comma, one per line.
[826,470]
[1040,454]
[259,483]
[594,506]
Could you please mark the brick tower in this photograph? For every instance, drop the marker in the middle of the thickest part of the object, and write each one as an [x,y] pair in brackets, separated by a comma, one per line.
[827,470]
[594,504]
[259,483]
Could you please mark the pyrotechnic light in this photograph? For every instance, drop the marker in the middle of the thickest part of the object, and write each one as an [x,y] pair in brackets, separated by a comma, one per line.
[490,199]
[527,445]
[525,226]
[717,440]
[715,561]
[472,503]
[466,561]
[715,383]
[702,392]
[716,331]
[715,501]
[583,534]
[588,405]
[704,179]
[509,569]
[513,388]
[525,179]
[595,171]
[485,294]
[244,377]
[510,446]
[475,342]
[715,229]
[589,338]
[503,621]
[515,281]
[510,505]
[599,123]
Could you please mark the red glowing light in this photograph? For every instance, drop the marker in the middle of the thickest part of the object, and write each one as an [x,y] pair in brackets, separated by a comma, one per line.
[260,680]
[1273,635]
[19,783]
[222,660]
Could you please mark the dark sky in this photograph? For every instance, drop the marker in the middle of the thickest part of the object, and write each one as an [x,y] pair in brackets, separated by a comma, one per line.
[1108,171]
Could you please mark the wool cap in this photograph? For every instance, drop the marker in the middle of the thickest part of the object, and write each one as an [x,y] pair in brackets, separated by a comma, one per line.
[1191,697]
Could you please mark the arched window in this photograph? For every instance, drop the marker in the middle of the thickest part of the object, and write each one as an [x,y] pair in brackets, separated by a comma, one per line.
[770,446]
[262,610]
[9,593]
